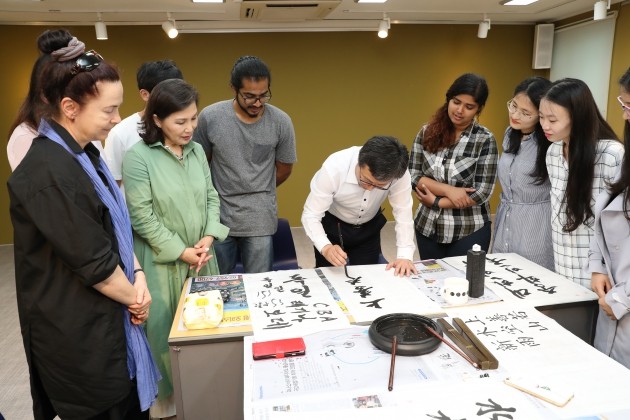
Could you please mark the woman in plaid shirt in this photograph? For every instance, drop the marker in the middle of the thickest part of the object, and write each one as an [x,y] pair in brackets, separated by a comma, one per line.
[583,159]
[453,169]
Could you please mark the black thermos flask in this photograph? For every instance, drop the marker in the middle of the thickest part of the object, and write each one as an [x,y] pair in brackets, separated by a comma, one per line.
[475,271]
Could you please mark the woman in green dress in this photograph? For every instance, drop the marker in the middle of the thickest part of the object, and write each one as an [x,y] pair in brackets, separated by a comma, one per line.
[174,211]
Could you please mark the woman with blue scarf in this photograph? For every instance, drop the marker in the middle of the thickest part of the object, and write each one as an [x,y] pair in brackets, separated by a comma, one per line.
[81,292]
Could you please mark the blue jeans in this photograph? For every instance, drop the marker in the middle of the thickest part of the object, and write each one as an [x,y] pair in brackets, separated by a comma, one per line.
[256,253]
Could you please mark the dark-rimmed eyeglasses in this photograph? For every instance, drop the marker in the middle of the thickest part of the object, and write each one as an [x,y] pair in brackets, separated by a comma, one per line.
[368,183]
[87,61]
[624,107]
[252,99]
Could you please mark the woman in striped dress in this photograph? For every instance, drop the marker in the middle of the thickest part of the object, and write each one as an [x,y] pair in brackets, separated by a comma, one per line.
[523,220]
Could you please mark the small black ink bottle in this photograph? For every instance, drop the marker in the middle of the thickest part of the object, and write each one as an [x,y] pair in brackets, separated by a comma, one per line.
[475,271]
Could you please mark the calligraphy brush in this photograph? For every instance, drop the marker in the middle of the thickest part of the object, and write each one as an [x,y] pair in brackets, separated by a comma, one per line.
[448,343]
[345,266]
[390,384]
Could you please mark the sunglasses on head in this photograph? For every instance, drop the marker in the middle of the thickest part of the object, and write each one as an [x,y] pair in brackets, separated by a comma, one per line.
[87,61]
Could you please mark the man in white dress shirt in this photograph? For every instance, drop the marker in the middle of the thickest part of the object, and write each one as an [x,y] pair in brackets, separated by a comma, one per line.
[342,214]
[125,134]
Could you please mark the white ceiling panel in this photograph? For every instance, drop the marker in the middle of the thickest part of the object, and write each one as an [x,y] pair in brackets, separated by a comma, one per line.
[342,15]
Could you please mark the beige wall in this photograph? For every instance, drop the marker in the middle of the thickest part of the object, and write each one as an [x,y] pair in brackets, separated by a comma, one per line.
[339,88]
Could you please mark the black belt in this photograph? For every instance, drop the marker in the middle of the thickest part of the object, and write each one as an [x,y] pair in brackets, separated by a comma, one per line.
[351,225]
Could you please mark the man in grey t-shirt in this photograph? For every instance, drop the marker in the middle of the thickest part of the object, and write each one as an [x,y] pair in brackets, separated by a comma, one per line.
[250,146]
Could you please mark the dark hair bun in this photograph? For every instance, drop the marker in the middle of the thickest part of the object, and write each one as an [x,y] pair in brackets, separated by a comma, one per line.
[52,40]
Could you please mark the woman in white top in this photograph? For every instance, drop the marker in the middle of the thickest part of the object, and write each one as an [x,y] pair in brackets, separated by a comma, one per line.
[583,159]
[24,127]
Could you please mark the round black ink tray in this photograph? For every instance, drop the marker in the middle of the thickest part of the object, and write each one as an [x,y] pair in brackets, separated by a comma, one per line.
[410,331]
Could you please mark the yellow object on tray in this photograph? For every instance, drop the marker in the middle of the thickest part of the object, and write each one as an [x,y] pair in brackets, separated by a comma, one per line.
[203,310]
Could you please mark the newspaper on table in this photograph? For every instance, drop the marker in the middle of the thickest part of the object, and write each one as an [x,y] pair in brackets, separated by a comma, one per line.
[430,279]
[345,370]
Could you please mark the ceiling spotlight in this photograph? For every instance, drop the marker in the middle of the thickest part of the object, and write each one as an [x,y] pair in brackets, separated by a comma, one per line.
[100,28]
[383,27]
[368,1]
[169,26]
[517,2]
[170,29]
[484,27]
[600,10]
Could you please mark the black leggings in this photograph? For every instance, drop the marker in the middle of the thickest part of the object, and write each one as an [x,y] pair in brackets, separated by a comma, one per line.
[429,249]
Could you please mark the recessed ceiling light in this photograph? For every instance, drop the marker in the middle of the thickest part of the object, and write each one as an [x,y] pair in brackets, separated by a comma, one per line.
[370,1]
[518,2]
[207,1]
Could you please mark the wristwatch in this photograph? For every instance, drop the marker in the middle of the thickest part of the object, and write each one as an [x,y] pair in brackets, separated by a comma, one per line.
[436,203]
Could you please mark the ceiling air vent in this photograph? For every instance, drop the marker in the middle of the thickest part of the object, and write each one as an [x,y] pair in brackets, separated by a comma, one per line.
[286,10]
